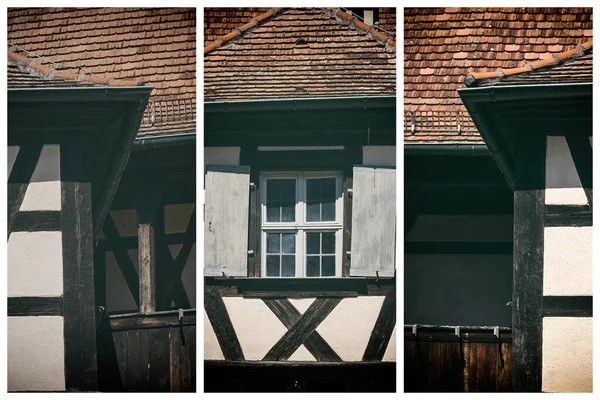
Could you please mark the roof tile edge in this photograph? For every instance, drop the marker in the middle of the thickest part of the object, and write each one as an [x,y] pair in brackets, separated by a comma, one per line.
[473,79]
[255,22]
[388,41]
[46,72]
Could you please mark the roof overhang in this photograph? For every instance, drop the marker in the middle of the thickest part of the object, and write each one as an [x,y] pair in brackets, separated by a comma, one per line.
[504,114]
[105,119]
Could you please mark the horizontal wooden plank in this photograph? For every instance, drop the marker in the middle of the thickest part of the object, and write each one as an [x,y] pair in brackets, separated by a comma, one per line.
[300,295]
[458,247]
[154,320]
[568,215]
[35,306]
[35,221]
[567,306]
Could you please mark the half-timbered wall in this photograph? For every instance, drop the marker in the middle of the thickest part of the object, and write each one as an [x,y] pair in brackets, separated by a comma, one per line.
[567,271]
[35,274]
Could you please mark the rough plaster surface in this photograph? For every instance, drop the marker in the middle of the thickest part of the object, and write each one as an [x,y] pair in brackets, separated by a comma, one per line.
[379,155]
[462,228]
[348,328]
[568,261]
[457,289]
[12,152]
[177,217]
[562,182]
[390,352]
[35,354]
[256,327]
[302,304]
[43,192]
[567,355]
[221,156]
[212,350]
[118,295]
[35,265]
[125,222]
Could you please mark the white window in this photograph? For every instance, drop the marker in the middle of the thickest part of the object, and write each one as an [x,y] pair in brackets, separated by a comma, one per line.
[301,224]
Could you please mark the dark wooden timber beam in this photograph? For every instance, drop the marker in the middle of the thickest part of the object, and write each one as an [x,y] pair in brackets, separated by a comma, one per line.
[221,324]
[382,331]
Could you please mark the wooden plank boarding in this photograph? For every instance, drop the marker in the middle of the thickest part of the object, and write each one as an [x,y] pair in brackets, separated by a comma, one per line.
[528,264]
[81,372]
[158,360]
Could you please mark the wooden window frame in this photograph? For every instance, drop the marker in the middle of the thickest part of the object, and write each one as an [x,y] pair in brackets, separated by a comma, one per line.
[300,225]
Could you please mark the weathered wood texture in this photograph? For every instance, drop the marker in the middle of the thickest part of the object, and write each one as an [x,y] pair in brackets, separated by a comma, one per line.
[81,372]
[226,220]
[161,358]
[147,267]
[221,323]
[286,376]
[34,221]
[438,361]
[528,263]
[568,215]
[374,211]
[382,331]
[29,306]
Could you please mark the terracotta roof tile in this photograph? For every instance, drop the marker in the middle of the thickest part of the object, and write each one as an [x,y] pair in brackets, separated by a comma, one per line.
[512,33]
[302,52]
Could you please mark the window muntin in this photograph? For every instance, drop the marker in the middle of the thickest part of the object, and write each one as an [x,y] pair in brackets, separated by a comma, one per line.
[316,221]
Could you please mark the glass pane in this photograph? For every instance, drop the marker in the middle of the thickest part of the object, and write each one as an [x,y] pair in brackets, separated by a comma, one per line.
[312,266]
[313,212]
[273,212]
[289,243]
[288,266]
[273,243]
[273,190]
[328,243]
[288,211]
[328,265]
[328,211]
[312,243]
[328,188]
[288,190]
[272,265]
[313,189]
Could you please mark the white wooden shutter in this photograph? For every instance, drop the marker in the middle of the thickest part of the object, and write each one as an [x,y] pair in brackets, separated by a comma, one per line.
[373,221]
[226,220]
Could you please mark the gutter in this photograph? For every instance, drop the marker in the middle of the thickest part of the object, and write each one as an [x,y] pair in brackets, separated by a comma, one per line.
[446,150]
[83,94]
[153,142]
[299,104]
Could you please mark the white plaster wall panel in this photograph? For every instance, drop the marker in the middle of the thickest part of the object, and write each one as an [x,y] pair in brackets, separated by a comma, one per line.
[379,155]
[562,182]
[125,222]
[567,355]
[390,352]
[256,327]
[12,152]
[177,217]
[568,261]
[118,295]
[221,156]
[302,354]
[188,277]
[35,264]
[35,354]
[212,350]
[348,328]
[302,304]
[458,289]
[462,228]
[43,192]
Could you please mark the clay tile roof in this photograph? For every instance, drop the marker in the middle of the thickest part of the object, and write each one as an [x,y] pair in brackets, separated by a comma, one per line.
[300,52]
[49,75]
[154,45]
[566,58]
[443,45]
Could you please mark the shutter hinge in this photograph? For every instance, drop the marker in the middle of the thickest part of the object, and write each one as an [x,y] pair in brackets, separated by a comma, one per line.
[252,186]
[350,192]
[250,253]
[348,254]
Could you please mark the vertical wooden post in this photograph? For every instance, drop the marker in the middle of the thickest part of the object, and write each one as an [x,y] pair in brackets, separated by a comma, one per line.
[146,262]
